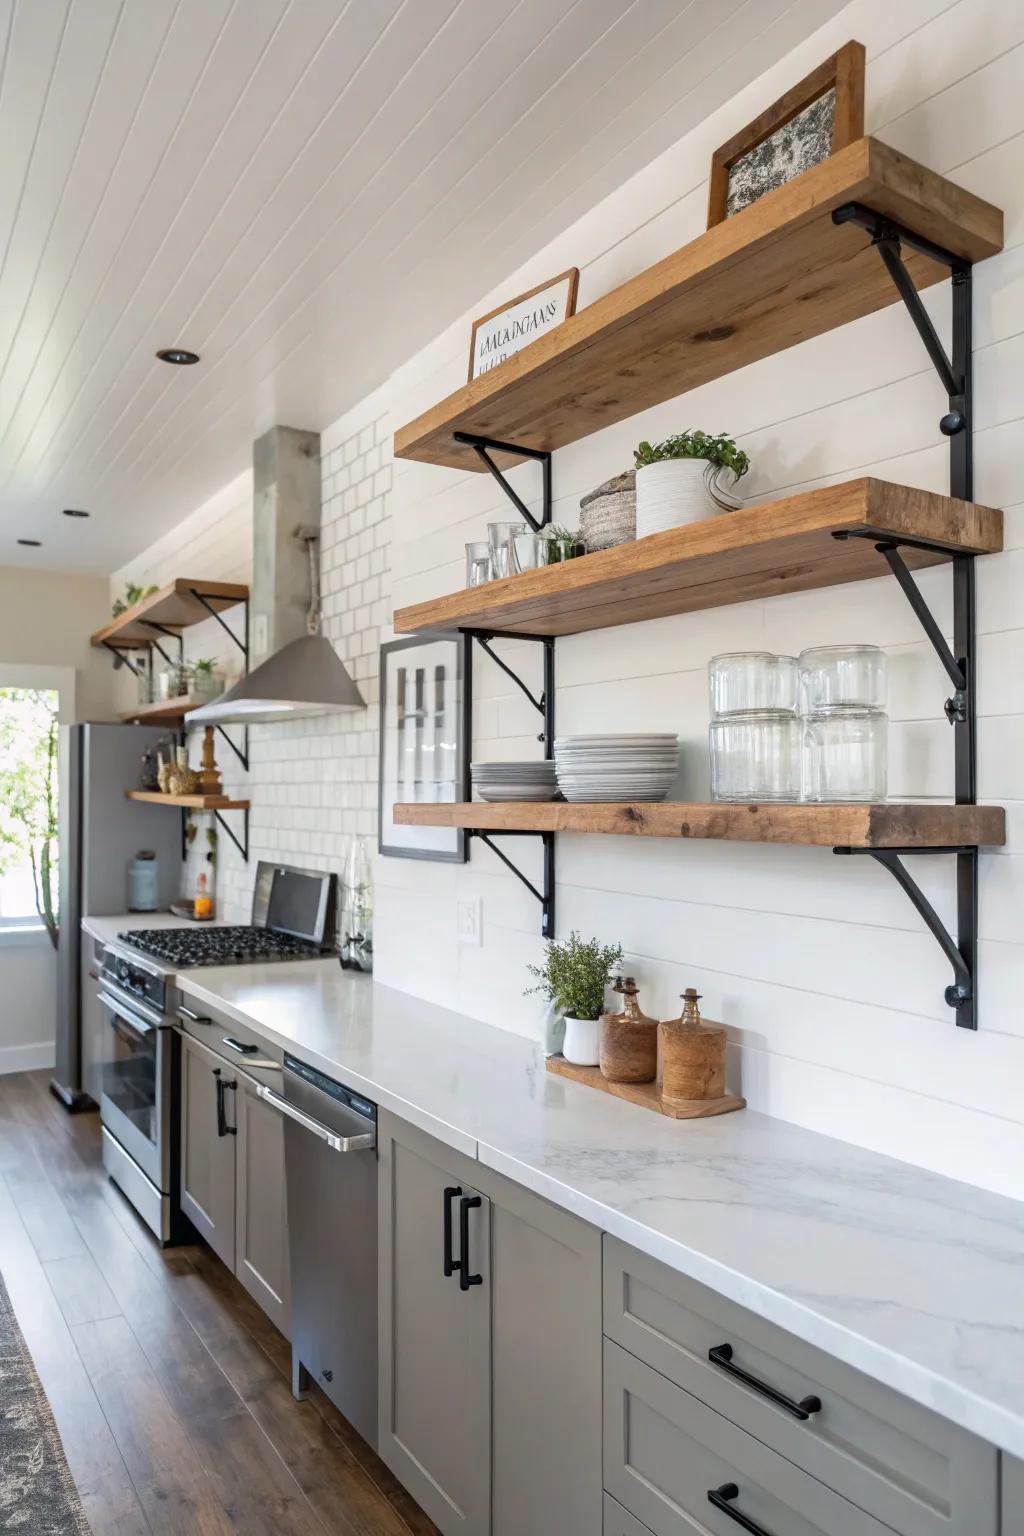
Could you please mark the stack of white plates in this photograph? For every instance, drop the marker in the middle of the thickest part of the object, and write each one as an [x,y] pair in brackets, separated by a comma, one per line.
[514,781]
[616,767]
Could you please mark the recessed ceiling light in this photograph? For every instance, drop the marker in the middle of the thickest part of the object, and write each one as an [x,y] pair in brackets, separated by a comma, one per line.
[31,543]
[177,355]
[75,512]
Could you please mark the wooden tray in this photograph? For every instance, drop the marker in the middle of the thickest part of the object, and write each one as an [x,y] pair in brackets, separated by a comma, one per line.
[647,1095]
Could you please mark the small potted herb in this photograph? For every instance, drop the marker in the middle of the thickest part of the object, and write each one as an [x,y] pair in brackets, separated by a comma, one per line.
[207,682]
[563,544]
[574,977]
[685,479]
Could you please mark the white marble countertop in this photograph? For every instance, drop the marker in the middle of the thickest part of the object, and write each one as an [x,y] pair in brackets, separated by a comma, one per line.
[915,1279]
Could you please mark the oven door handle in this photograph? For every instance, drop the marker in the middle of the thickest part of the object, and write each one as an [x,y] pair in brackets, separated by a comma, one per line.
[365,1143]
[138,1023]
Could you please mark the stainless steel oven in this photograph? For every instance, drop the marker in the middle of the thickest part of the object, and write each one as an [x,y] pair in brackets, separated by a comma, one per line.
[137,1069]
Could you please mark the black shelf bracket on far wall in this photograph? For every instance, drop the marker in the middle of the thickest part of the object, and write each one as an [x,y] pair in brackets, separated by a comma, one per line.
[959,663]
[545,707]
[483,447]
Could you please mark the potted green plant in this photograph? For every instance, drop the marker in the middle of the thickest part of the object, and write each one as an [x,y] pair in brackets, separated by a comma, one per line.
[562,544]
[574,977]
[685,479]
[207,682]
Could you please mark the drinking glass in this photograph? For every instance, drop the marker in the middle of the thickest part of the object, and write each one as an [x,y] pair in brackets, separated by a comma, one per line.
[529,550]
[755,756]
[478,563]
[845,754]
[500,536]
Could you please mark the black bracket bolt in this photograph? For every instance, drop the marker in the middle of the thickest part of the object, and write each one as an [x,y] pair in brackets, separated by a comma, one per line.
[952,423]
[955,708]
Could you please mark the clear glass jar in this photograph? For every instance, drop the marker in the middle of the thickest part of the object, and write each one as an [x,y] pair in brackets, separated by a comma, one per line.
[854,676]
[752,680]
[478,563]
[755,756]
[500,537]
[845,754]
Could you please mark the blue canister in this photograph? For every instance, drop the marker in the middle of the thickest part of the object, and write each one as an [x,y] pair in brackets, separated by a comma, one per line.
[142,882]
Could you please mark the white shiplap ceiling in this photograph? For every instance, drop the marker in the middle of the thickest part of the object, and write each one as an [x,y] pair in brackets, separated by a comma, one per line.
[272,183]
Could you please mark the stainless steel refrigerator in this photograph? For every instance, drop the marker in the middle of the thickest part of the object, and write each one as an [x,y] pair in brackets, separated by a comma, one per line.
[101,832]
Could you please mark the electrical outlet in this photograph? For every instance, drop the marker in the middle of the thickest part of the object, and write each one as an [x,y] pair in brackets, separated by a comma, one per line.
[469,921]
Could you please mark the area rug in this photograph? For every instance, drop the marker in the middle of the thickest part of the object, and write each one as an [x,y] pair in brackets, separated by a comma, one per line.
[38,1496]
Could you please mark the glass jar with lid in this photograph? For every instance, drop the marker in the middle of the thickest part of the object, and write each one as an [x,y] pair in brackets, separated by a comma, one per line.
[740,681]
[845,754]
[755,755]
[843,676]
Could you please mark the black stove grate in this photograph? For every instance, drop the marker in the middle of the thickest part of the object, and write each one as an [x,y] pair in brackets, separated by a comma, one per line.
[187,947]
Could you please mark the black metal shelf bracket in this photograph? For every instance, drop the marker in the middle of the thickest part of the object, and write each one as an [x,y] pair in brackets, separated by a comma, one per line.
[956,375]
[243,645]
[241,752]
[161,629]
[242,846]
[962,951]
[544,704]
[546,897]
[122,657]
[483,447]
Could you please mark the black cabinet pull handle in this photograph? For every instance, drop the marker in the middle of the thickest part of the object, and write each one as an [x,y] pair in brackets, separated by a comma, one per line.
[193,1018]
[450,1264]
[236,1045]
[223,1129]
[467,1203]
[721,1356]
[722,1498]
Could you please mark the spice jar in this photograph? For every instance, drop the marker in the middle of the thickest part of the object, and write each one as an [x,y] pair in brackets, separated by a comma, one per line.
[629,1040]
[692,1055]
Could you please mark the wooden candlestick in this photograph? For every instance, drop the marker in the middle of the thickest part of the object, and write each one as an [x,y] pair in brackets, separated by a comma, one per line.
[209,773]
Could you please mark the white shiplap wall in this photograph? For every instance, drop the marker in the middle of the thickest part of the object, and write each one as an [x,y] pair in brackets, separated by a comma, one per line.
[829,983]
[831,986]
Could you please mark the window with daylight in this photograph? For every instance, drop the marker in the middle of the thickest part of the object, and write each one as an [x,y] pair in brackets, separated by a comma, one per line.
[28,809]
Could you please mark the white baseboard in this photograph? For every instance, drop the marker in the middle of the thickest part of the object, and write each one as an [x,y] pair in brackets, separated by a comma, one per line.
[27,1058]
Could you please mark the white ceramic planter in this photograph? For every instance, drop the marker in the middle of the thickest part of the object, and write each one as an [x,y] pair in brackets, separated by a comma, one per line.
[582,1043]
[677,491]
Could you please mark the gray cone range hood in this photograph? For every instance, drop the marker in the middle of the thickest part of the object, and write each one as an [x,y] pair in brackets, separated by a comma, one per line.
[305,678]
[298,673]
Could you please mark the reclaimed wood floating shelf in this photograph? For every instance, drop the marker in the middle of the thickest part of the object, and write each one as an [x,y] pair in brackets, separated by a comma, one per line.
[829,826]
[774,275]
[188,802]
[160,712]
[759,551]
[647,1095]
[173,607]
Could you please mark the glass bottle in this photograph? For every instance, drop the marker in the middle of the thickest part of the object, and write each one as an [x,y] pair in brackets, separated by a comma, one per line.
[357,910]
[202,902]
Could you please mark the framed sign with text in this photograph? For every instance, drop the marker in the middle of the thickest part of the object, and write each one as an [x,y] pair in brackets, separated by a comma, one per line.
[514,324]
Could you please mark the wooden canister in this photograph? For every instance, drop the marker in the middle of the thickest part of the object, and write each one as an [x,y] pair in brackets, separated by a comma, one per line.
[692,1055]
[629,1040]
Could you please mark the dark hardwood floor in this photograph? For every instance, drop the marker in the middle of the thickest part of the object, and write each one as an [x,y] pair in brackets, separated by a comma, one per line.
[170,1388]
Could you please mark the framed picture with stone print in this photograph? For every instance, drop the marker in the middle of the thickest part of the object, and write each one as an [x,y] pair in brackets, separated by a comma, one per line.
[818,117]
[422,743]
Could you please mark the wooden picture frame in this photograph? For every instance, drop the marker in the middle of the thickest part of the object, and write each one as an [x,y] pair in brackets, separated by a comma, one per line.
[843,75]
[564,305]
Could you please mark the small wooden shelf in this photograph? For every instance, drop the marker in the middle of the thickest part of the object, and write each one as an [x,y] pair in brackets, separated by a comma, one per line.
[827,826]
[646,1095]
[759,551]
[188,802]
[161,711]
[775,274]
[173,607]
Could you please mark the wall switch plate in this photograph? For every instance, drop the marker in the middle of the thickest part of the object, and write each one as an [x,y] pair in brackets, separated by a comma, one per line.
[469,921]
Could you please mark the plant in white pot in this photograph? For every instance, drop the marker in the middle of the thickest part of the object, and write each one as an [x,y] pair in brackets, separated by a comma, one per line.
[575,976]
[685,479]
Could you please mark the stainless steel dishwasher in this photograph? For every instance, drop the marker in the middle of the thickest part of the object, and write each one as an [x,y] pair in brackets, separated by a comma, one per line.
[330,1154]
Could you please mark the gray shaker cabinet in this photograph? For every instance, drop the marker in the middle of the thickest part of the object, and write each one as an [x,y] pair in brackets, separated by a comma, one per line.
[490,1396]
[261,1216]
[208,1146]
[435,1331]
[1013,1497]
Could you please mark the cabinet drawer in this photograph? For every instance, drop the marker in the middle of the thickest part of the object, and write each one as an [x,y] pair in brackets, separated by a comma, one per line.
[236,1043]
[911,1469]
[619,1521]
[665,1453]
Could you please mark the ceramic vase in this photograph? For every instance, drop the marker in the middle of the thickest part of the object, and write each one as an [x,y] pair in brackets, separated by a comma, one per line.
[582,1043]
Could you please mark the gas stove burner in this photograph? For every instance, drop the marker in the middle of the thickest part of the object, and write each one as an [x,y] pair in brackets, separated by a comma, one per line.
[185,948]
